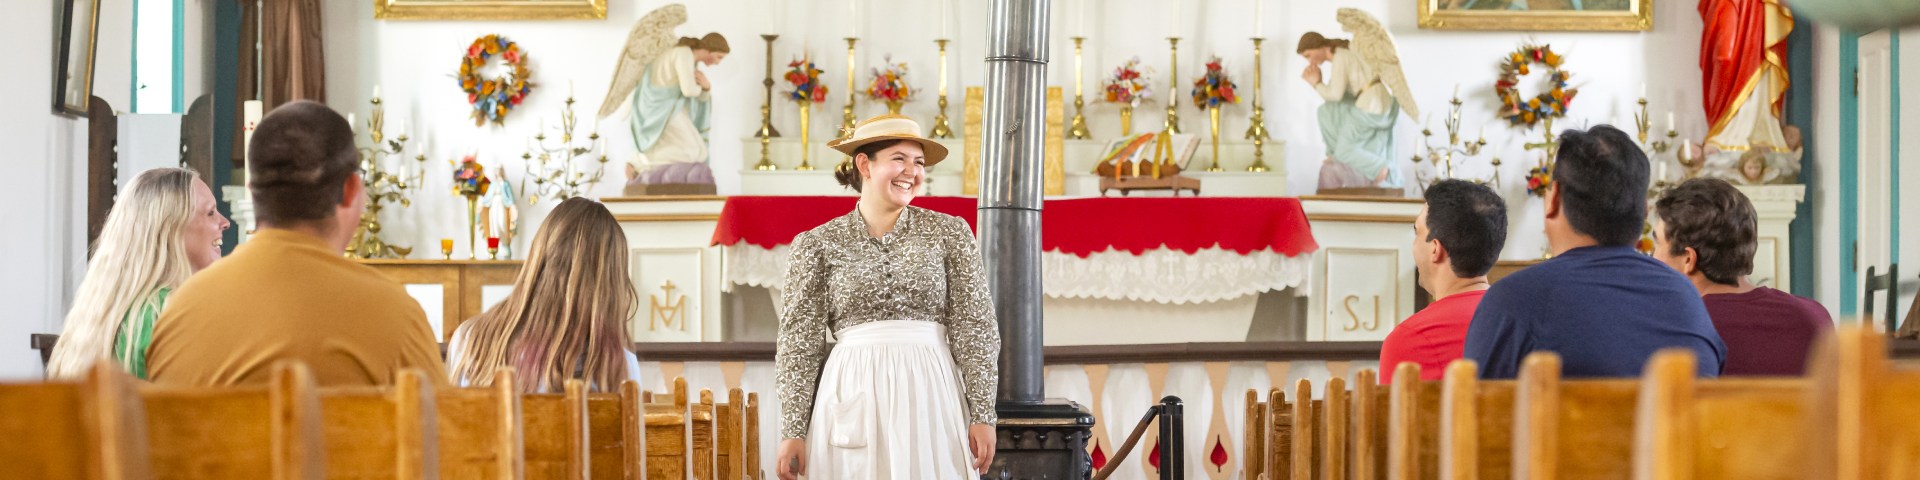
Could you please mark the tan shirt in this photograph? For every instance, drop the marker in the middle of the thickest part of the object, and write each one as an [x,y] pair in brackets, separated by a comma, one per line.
[286,295]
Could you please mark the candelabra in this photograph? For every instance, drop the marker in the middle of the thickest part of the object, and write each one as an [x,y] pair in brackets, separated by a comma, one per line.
[767,132]
[1445,157]
[940,127]
[846,113]
[1078,131]
[553,169]
[1258,131]
[1657,148]
[1173,87]
[384,183]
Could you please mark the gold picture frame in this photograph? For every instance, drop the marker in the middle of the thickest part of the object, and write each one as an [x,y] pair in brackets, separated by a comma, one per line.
[490,9]
[1630,16]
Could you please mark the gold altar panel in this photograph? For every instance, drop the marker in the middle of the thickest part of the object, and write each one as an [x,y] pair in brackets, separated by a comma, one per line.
[490,9]
[1055,182]
[1594,15]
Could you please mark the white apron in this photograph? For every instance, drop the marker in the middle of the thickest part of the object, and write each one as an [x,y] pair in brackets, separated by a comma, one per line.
[889,407]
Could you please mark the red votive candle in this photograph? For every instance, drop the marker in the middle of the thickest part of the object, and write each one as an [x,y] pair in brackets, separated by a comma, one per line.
[493,242]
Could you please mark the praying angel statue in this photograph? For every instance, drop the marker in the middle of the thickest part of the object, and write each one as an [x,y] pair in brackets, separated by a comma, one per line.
[668,101]
[1364,95]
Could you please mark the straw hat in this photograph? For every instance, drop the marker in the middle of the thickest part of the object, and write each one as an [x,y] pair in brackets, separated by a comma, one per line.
[889,127]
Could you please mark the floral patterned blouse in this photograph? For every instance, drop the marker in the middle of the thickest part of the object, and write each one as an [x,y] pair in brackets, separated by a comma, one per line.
[928,269]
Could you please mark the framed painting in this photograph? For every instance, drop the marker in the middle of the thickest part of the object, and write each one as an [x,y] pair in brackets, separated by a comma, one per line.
[73,66]
[1537,15]
[490,9]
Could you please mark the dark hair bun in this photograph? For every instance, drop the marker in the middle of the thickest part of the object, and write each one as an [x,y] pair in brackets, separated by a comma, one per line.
[847,175]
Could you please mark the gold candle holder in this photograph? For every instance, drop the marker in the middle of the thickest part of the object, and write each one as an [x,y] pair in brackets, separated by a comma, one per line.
[1173,86]
[1078,131]
[806,107]
[767,132]
[846,113]
[1642,121]
[940,127]
[1213,118]
[1126,120]
[1258,131]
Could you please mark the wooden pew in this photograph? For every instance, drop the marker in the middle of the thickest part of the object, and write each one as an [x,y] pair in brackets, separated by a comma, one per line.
[1370,404]
[701,432]
[94,429]
[556,435]
[1413,430]
[382,432]
[267,431]
[1253,440]
[1726,428]
[1863,422]
[1571,429]
[730,443]
[479,432]
[615,447]
[1476,423]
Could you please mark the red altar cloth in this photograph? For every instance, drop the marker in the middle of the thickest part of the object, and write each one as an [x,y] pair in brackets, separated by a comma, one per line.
[1081,226]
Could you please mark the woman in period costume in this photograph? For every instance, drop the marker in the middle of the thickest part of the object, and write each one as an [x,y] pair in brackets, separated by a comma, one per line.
[1364,94]
[165,227]
[893,300]
[567,315]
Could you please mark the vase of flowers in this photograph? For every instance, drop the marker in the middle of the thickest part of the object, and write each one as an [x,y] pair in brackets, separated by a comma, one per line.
[470,181]
[890,85]
[807,90]
[1128,87]
[1210,91]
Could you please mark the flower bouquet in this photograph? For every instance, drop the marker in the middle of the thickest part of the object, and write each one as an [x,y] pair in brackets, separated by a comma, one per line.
[1209,92]
[1128,86]
[890,85]
[807,90]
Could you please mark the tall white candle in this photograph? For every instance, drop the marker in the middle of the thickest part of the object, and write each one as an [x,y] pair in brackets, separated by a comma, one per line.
[944,19]
[1259,19]
[353,124]
[853,18]
[1643,90]
[1671,125]
[779,9]
[1456,90]
[1173,20]
[1080,12]
[376,90]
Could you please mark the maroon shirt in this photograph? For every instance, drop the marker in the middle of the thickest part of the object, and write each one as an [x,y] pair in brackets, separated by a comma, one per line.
[1768,332]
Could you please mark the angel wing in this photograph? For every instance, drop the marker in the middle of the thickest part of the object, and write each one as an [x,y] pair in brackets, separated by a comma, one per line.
[1377,49]
[650,37]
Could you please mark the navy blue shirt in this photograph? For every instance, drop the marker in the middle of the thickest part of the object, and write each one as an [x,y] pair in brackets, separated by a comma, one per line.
[1605,310]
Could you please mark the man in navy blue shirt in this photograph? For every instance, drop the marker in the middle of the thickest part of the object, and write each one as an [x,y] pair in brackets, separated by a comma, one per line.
[1602,306]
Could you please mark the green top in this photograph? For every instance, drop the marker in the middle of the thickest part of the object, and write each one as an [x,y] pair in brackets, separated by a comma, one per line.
[136,332]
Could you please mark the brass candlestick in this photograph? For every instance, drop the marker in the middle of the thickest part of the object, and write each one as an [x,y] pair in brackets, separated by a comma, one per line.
[846,113]
[767,132]
[1642,121]
[940,127]
[384,183]
[1258,131]
[1079,129]
[552,168]
[1443,157]
[1173,86]
[1213,118]
[806,108]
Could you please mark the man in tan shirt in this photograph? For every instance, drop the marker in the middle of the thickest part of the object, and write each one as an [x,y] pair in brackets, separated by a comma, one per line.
[288,294]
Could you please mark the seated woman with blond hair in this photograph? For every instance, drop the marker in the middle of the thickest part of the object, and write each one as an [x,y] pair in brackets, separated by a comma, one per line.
[165,226]
[567,315]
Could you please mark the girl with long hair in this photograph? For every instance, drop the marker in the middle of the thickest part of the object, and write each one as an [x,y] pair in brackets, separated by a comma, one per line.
[568,312]
[164,227]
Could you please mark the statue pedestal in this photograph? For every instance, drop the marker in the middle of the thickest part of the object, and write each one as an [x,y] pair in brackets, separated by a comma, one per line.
[1776,206]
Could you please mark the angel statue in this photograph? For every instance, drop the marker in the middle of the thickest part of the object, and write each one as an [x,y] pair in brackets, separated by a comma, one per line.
[1364,95]
[669,99]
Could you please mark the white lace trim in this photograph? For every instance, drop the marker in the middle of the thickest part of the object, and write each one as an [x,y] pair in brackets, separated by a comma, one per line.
[1170,276]
[1160,275]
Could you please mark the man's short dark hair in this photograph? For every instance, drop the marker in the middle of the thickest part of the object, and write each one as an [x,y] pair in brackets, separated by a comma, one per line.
[1602,176]
[302,154]
[1717,221]
[1470,221]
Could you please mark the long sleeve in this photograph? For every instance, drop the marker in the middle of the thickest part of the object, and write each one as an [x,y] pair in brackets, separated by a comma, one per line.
[1333,84]
[803,330]
[683,72]
[973,335]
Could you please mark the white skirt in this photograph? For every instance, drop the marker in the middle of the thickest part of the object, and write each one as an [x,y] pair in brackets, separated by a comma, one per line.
[889,407]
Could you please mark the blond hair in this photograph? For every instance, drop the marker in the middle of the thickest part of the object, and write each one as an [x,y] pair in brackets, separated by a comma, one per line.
[141,250]
[568,312]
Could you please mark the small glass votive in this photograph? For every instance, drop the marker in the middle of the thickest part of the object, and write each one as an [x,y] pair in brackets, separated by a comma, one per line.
[446,249]
[493,248]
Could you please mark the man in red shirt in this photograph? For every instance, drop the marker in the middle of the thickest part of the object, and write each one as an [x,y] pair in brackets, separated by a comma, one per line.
[1708,231]
[1456,240]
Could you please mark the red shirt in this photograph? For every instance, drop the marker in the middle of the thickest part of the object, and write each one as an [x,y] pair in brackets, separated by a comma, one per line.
[1768,332]
[1432,337]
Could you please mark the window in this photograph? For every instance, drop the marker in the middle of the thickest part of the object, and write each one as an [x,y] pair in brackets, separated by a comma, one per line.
[157,63]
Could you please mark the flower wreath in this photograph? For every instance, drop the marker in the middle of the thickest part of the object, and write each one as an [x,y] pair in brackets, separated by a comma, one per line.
[1551,104]
[493,98]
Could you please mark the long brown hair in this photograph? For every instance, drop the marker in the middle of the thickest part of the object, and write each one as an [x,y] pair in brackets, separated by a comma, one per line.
[1313,40]
[568,312]
[141,250]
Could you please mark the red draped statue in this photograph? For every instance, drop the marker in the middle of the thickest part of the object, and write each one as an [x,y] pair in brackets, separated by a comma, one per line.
[1743,66]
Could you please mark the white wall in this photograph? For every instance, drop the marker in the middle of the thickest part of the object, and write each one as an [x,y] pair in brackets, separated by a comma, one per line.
[1909,182]
[413,62]
[44,202]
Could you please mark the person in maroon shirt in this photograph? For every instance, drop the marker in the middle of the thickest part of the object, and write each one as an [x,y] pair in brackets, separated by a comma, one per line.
[1707,230]
[1456,240]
